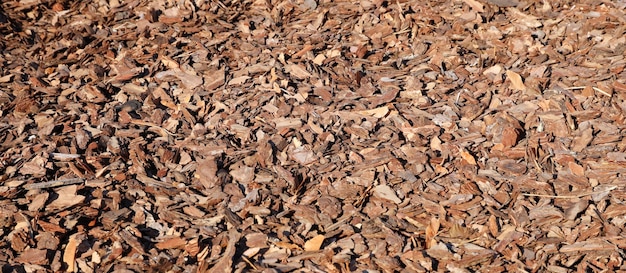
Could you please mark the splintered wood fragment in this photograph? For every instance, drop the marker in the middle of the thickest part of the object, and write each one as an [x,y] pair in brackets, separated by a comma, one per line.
[132,241]
[468,157]
[575,87]
[377,112]
[304,50]
[282,123]
[619,87]
[64,157]
[54,183]
[67,197]
[483,108]
[109,219]
[129,106]
[148,181]
[188,80]
[306,256]
[69,255]
[231,217]
[162,131]
[297,71]
[595,244]
[7,78]
[372,163]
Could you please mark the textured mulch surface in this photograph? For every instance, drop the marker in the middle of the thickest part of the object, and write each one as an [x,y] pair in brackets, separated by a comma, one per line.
[312,136]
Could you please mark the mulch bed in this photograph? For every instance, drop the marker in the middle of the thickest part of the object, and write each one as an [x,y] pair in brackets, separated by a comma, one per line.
[312,136]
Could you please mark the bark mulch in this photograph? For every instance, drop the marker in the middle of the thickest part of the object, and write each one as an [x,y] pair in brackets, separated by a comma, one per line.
[312,136]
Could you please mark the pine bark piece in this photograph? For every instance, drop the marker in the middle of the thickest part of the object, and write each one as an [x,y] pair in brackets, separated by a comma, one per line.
[206,173]
[387,193]
[225,263]
[504,3]
[67,197]
[172,242]
[214,79]
[131,240]
[35,167]
[110,218]
[33,256]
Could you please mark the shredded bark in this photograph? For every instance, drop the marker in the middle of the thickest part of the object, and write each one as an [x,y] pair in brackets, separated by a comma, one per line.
[312,135]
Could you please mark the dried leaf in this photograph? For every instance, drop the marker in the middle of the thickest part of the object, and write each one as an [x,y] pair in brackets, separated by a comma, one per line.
[516,80]
[314,244]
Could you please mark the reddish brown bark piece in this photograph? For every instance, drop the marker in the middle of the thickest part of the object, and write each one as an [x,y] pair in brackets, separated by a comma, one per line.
[175,242]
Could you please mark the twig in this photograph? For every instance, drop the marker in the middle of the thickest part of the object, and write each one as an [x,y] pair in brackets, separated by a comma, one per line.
[601,91]
[249,263]
[569,196]
[54,183]
[575,88]
[594,88]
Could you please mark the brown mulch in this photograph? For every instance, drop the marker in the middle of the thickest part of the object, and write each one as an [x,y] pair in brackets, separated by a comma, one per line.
[312,136]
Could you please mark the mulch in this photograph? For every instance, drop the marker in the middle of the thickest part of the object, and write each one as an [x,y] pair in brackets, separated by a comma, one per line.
[312,136]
